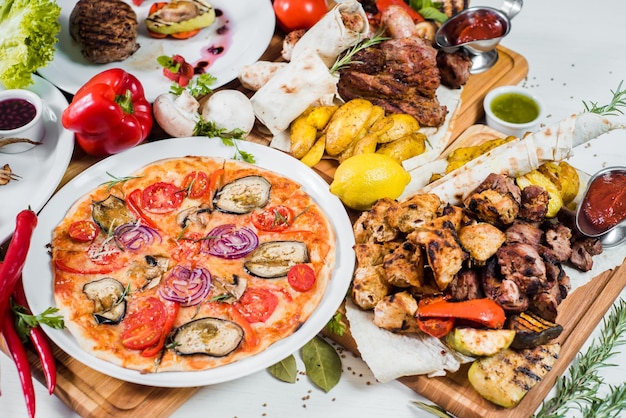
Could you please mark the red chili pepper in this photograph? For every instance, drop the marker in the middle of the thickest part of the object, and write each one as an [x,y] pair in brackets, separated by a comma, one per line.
[18,353]
[11,268]
[39,340]
[480,311]
[109,113]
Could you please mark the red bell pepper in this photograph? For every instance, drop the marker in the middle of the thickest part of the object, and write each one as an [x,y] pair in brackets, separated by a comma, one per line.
[109,114]
[484,311]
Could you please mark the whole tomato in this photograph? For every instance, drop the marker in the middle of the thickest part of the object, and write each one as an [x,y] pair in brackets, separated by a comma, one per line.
[299,14]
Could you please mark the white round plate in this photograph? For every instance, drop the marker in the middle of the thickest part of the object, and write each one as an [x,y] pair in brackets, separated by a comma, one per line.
[38,275]
[41,168]
[251,27]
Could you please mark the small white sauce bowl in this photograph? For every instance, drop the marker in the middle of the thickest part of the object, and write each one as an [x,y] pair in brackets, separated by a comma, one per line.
[509,128]
[33,130]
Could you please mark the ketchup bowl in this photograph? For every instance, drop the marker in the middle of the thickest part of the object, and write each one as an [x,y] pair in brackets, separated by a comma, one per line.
[21,117]
[602,210]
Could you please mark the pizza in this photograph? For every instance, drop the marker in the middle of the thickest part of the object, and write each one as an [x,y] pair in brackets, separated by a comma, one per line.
[190,263]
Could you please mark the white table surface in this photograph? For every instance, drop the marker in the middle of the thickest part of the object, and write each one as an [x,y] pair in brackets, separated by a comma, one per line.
[575,51]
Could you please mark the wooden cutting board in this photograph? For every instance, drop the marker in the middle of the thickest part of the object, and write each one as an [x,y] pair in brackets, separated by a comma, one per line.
[92,394]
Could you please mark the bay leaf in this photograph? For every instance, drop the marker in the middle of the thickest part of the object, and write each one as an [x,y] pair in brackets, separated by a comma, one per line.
[322,363]
[285,370]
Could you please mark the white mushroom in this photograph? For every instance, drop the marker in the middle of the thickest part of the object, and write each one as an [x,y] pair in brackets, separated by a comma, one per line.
[177,115]
[229,110]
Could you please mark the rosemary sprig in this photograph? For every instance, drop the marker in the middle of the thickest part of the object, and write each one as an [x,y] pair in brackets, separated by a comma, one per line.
[580,389]
[345,60]
[612,109]
[117,180]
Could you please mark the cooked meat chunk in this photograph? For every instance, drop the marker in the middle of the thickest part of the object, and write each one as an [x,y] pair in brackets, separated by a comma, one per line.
[404,267]
[369,286]
[580,258]
[396,313]
[106,30]
[290,41]
[522,264]
[373,224]
[534,203]
[504,291]
[466,285]
[557,237]
[373,253]
[444,252]
[413,212]
[481,240]
[492,206]
[454,68]
[546,303]
[523,232]
[399,75]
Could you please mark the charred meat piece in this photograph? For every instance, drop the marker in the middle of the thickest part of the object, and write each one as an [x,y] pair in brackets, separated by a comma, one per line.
[523,232]
[466,285]
[369,286]
[496,200]
[454,68]
[580,257]
[444,252]
[396,313]
[373,253]
[413,212]
[373,225]
[481,240]
[106,30]
[522,264]
[404,267]
[504,291]
[534,203]
[557,238]
[399,75]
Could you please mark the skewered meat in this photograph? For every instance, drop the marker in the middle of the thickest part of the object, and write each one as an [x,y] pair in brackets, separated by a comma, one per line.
[106,30]
[534,205]
[481,240]
[413,212]
[496,200]
[557,237]
[399,75]
[373,253]
[396,313]
[523,265]
[404,267]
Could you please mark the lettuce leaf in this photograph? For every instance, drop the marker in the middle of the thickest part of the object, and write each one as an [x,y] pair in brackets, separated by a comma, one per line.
[28,34]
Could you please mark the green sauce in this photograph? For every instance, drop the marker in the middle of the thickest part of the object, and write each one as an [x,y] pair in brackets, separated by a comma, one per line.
[515,108]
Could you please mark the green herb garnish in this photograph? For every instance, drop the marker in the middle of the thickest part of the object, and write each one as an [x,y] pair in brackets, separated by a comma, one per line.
[612,109]
[430,10]
[24,321]
[198,86]
[346,59]
[580,387]
[117,180]
[210,129]
[335,326]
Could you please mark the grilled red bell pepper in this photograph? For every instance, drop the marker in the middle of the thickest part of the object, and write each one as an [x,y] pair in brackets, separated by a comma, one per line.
[109,113]
[485,312]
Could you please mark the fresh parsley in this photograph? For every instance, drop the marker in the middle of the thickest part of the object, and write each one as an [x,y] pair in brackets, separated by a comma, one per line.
[24,320]
[198,86]
[229,138]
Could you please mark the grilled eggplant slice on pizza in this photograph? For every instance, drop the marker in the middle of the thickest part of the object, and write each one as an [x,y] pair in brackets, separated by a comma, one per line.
[243,195]
[107,295]
[274,259]
[210,336]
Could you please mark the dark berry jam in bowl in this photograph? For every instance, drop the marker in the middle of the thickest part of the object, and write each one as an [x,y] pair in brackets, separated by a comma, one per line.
[21,117]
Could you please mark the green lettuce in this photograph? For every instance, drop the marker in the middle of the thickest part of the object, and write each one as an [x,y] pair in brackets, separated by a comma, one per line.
[28,34]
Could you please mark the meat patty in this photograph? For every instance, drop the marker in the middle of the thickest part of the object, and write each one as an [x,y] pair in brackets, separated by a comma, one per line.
[105,29]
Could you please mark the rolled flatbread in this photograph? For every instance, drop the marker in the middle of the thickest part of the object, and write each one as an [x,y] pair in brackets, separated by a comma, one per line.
[300,84]
[255,76]
[341,28]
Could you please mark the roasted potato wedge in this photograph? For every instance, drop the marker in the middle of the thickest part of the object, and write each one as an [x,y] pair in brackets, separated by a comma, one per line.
[537,178]
[405,147]
[564,176]
[461,156]
[402,126]
[305,130]
[348,124]
[315,154]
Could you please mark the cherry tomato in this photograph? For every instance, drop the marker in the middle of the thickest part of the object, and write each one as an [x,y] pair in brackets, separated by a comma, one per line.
[301,277]
[272,219]
[299,14]
[144,324]
[83,231]
[162,197]
[383,4]
[257,304]
[196,183]
[436,327]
